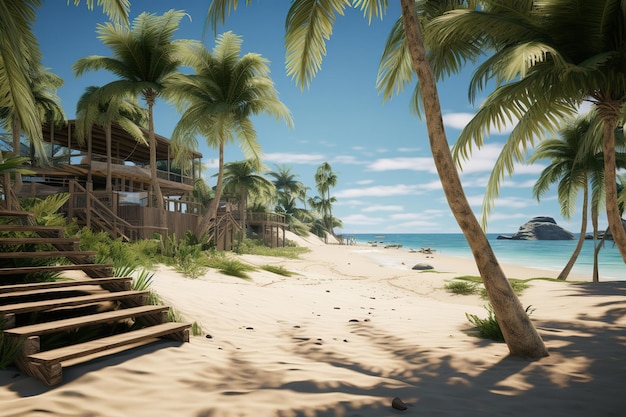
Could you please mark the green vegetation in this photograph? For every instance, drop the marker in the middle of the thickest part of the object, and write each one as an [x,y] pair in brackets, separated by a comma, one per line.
[228,266]
[10,348]
[488,328]
[519,285]
[462,287]
[279,270]
[256,247]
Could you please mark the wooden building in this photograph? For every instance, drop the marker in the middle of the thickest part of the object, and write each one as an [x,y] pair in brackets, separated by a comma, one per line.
[128,210]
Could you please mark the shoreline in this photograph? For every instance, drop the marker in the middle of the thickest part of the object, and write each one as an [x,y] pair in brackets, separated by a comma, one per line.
[343,336]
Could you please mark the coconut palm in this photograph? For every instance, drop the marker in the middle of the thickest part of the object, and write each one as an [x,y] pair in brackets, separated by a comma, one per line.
[546,58]
[217,102]
[286,183]
[572,170]
[242,180]
[95,107]
[309,24]
[42,86]
[144,57]
[20,57]
[325,179]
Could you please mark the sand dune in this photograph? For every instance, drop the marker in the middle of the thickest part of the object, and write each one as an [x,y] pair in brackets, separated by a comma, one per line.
[354,329]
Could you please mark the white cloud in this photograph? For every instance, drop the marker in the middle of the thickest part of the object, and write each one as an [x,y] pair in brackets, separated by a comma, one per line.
[378,191]
[500,202]
[457,120]
[382,208]
[364,182]
[347,159]
[460,120]
[294,158]
[394,164]
[362,219]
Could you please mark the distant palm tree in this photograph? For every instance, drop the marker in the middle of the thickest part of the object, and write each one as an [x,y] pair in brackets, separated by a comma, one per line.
[144,57]
[97,109]
[325,179]
[546,58]
[217,102]
[572,170]
[309,25]
[242,180]
[286,182]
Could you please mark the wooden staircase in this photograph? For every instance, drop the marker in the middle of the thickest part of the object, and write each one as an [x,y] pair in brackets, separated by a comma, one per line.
[44,318]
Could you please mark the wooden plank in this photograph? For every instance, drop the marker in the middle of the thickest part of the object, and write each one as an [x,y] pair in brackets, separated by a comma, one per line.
[14,213]
[91,319]
[51,268]
[55,356]
[64,284]
[59,230]
[47,254]
[44,305]
[38,240]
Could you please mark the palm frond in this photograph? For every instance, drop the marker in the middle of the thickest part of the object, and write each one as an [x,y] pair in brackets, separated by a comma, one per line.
[309,25]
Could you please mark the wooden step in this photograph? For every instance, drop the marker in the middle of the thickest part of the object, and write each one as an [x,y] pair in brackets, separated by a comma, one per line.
[48,254]
[88,320]
[120,281]
[44,305]
[47,365]
[49,292]
[38,240]
[58,230]
[108,268]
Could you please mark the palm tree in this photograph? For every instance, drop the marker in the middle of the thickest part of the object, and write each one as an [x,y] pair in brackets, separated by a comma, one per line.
[325,179]
[144,57]
[217,102]
[42,86]
[309,24]
[286,183]
[573,170]
[20,57]
[242,180]
[548,57]
[96,108]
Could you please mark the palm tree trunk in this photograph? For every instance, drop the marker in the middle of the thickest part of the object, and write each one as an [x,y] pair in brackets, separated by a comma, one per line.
[519,333]
[205,221]
[596,245]
[581,240]
[609,117]
[109,185]
[154,180]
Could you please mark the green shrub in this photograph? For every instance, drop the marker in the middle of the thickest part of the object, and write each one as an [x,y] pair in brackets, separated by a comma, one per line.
[462,287]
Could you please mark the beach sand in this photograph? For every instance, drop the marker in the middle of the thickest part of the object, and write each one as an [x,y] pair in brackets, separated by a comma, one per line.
[355,328]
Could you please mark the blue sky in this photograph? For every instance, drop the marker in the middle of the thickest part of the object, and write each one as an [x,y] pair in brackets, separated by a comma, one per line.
[386,178]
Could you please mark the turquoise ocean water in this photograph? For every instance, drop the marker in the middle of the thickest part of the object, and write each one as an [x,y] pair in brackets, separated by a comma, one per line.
[544,254]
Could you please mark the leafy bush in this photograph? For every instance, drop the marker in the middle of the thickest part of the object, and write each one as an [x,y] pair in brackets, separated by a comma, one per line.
[462,287]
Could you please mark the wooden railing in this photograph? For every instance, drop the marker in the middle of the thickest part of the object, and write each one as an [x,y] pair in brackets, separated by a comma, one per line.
[86,205]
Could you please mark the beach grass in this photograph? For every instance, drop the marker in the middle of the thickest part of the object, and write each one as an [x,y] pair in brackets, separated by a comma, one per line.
[256,247]
[462,287]
[279,270]
[519,285]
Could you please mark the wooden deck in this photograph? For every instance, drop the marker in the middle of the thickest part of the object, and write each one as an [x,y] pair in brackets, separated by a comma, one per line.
[30,313]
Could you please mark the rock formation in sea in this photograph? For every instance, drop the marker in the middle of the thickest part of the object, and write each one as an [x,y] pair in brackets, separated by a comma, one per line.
[540,228]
